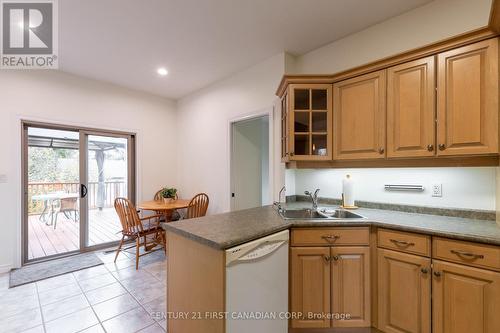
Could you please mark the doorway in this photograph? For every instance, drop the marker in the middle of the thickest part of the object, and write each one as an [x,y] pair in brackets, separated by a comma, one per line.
[250,181]
[71,177]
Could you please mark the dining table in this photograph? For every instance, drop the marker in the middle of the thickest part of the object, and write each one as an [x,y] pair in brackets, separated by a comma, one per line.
[164,208]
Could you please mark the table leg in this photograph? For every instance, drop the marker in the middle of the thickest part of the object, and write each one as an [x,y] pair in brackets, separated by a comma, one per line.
[43,217]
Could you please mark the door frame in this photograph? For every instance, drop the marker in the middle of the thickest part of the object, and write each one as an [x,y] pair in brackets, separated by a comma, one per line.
[83,132]
[266,112]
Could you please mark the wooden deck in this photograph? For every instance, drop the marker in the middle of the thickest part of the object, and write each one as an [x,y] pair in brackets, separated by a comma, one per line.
[44,241]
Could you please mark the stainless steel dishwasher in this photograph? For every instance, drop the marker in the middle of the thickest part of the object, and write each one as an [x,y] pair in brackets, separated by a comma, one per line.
[257,285]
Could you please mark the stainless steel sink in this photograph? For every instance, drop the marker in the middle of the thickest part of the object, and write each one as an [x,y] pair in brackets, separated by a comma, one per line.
[320,214]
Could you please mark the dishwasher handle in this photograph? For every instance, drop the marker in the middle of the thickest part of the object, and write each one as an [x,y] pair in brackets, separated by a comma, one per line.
[264,249]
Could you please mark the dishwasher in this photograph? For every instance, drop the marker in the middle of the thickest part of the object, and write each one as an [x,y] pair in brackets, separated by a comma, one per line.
[257,285]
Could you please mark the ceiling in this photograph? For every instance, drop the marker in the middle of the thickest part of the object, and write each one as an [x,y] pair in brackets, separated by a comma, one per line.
[201,41]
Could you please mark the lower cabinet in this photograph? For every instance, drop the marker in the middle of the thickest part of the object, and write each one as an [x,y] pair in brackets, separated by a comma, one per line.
[465,299]
[404,292]
[330,286]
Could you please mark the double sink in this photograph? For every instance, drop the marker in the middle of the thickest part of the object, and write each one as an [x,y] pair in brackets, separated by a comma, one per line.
[318,214]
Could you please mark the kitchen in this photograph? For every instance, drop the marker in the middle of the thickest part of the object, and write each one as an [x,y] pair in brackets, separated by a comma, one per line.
[290,166]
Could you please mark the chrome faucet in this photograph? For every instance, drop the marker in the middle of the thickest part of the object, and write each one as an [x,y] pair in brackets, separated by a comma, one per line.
[277,204]
[314,198]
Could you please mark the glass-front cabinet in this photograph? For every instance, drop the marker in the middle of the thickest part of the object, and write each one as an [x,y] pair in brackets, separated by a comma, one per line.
[306,118]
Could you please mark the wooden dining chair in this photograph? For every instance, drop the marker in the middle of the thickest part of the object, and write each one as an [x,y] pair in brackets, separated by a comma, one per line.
[175,214]
[197,206]
[135,227]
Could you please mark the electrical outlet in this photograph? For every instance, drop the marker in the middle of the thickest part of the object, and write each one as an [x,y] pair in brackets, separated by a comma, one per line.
[437,190]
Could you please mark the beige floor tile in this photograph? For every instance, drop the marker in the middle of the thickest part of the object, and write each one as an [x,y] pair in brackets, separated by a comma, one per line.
[74,322]
[55,295]
[55,282]
[104,293]
[13,305]
[128,322]
[119,265]
[38,329]
[16,293]
[87,273]
[156,307]
[150,292]
[97,282]
[94,329]
[64,307]
[153,329]
[22,321]
[139,283]
[131,272]
[115,306]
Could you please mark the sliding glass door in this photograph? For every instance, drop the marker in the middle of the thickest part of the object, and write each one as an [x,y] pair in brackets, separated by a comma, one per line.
[71,178]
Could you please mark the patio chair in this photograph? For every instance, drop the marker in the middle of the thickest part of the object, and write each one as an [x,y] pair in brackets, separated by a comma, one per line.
[137,228]
[197,206]
[67,206]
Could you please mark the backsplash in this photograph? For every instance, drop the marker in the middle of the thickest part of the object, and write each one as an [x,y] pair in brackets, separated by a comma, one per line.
[462,188]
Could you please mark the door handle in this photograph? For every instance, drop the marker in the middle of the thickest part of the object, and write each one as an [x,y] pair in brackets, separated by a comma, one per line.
[83,191]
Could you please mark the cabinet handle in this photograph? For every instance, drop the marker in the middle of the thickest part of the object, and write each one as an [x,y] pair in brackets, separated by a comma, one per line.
[330,238]
[381,151]
[335,257]
[430,147]
[401,243]
[467,254]
[437,274]
[424,270]
[442,146]
[327,258]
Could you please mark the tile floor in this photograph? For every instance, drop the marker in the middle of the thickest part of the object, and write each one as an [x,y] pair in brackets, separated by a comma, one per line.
[107,298]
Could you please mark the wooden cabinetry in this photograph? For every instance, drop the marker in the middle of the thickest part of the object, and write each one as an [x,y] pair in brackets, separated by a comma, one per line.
[359,117]
[351,286]
[310,286]
[467,105]
[330,285]
[411,109]
[465,299]
[404,292]
[309,122]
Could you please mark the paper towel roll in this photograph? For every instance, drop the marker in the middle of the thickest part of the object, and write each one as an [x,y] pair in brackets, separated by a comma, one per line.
[348,191]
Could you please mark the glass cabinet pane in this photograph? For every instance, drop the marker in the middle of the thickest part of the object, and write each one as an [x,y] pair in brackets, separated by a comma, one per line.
[319,99]
[301,122]
[301,144]
[301,99]
[319,142]
[319,121]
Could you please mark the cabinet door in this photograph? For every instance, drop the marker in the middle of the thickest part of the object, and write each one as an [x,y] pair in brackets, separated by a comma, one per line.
[404,292]
[359,117]
[410,109]
[310,122]
[285,131]
[468,99]
[465,299]
[310,286]
[351,286]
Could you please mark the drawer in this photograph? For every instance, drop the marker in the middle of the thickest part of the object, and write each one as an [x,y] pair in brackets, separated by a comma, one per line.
[330,236]
[404,242]
[472,254]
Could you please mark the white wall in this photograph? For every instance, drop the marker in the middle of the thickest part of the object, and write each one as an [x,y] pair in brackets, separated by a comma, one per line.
[472,188]
[203,128]
[435,21]
[57,97]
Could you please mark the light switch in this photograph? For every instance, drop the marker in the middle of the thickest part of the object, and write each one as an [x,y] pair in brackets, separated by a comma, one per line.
[3,178]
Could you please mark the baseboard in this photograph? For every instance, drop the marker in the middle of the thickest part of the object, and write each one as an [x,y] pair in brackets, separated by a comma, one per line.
[5,268]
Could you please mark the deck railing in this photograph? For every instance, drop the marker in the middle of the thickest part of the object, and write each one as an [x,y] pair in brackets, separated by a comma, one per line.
[112,190]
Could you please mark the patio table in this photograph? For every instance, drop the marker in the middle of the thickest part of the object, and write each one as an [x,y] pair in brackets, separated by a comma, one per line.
[48,203]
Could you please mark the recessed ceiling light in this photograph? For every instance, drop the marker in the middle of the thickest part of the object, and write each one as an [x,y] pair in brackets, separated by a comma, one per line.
[162,71]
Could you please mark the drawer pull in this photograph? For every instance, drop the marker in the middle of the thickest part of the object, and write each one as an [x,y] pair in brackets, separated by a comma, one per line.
[330,238]
[424,270]
[467,254]
[402,243]
[327,258]
[437,274]
[335,258]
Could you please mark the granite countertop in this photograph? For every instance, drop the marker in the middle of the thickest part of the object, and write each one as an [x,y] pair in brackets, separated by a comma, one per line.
[223,231]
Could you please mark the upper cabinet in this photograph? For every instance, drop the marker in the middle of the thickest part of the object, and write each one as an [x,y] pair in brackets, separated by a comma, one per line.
[359,117]
[431,108]
[467,107]
[309,122]
[411,109]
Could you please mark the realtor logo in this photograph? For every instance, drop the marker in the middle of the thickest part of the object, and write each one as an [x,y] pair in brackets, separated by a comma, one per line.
[29,34]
